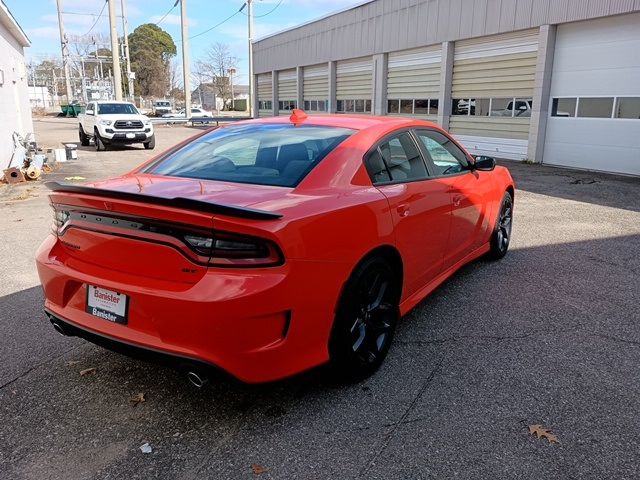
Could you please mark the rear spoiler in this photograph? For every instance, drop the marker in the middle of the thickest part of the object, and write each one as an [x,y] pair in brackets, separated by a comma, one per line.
[177,202]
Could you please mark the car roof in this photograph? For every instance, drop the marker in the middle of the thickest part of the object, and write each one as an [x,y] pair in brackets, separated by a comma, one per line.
[355,122]
[112,101]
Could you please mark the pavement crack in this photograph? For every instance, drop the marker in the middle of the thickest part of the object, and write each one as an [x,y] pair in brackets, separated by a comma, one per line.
[363,473]
[35,367]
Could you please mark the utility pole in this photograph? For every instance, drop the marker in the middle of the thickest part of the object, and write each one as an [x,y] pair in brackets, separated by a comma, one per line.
[115,54]
[186,69]
[65,52]
[123,7]
[250,37]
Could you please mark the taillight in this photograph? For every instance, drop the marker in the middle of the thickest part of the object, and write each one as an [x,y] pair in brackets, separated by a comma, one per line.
[232,250]
[60,217]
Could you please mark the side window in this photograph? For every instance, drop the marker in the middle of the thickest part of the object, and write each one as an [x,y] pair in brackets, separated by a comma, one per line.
[401,160]
[447,158]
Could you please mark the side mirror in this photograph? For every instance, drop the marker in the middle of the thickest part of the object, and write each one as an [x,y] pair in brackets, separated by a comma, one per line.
[486,164]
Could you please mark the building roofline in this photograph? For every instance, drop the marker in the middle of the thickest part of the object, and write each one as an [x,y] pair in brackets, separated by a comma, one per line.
[9,21]
[330,14]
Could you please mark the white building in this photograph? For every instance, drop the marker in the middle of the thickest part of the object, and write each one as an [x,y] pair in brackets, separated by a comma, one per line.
[556,82]
[39,97]
[15,110]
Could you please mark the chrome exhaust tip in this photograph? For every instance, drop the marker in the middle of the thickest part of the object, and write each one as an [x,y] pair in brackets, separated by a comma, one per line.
[59,328]
[197,380]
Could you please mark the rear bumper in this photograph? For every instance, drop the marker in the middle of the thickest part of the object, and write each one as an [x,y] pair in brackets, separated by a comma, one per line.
[134,351]
[258,325]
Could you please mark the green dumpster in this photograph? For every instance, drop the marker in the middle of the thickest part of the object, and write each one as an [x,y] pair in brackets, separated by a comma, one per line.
[72,110]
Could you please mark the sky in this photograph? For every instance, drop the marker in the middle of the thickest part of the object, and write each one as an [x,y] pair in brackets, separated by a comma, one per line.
[39,20]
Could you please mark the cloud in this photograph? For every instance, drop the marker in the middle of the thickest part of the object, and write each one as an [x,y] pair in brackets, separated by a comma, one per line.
[49,33]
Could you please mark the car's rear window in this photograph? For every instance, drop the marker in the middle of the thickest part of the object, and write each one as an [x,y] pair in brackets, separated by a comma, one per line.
[280,155]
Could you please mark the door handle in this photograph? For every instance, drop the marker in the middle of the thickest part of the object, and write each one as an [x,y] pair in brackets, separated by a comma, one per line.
[403,209]
[456,200]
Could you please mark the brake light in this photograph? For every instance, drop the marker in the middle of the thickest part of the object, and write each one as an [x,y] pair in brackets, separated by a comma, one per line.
[232,250]
[60,217]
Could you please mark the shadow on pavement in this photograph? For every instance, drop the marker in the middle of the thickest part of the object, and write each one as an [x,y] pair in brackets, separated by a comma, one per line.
[547,335]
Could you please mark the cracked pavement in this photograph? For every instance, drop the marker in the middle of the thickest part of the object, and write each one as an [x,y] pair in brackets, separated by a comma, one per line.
[549,335]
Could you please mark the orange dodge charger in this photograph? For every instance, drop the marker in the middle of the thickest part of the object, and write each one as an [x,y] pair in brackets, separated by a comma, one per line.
[271,246]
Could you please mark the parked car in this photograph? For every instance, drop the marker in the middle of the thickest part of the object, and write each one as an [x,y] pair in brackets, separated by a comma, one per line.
[522,109]
[114,123]
[195,113]
[161,107]
[271,246]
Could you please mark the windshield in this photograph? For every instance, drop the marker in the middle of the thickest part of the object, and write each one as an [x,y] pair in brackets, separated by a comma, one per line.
[116,108]
[162,104]
[280,155]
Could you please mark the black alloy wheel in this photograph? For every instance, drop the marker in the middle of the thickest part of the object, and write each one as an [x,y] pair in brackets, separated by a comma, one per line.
[502,234]
[366,320]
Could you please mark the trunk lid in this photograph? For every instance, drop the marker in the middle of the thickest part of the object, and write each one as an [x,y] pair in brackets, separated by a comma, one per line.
[137,224]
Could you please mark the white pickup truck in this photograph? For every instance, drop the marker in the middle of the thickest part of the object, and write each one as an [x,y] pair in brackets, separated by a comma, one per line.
[115,123]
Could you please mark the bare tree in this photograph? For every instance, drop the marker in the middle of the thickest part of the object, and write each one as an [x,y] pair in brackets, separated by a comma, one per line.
[216,64]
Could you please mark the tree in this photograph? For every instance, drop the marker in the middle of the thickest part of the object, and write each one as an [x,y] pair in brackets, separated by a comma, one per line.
[151,50]
[216,64]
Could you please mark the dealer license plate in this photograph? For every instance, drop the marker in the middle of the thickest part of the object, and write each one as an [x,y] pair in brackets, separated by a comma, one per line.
[107,304]
[131,135]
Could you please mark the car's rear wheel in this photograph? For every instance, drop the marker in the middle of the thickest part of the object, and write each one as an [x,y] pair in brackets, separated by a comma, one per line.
[151,143]
[100,145]
[501,236]
[365,320]
[84,139]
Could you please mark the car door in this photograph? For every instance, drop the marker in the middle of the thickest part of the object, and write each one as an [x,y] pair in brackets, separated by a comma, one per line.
[420,207]
[467,187]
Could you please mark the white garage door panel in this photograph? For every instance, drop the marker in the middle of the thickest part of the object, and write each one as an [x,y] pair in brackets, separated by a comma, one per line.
[596,58]
[605,145]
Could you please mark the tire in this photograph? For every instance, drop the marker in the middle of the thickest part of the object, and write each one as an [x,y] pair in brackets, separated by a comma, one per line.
[100,145]
[84,139]
[151,144]
[501,236]
[366,318]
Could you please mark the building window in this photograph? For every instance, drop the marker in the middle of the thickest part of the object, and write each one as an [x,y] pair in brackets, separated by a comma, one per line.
[315,105]
[265,105]
[355,105]
[564,107]
[492,107]
[418,106]
[628,107]
[595,107]
[287,104]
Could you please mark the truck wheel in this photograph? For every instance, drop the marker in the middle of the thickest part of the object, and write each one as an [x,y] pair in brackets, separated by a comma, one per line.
[100,145]
[84,139]
[151,143]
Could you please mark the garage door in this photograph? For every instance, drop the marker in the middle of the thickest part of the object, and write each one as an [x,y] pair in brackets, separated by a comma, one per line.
[595,96]
[413,82]
[316,88]
[354,84]
[287,91]
[492,90]
[265,95]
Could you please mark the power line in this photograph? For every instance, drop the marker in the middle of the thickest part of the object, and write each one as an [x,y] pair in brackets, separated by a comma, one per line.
[97,18]
[218,24]
[268,13]
[166,14]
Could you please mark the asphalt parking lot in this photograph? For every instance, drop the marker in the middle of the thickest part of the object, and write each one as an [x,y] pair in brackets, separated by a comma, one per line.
[550,335]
